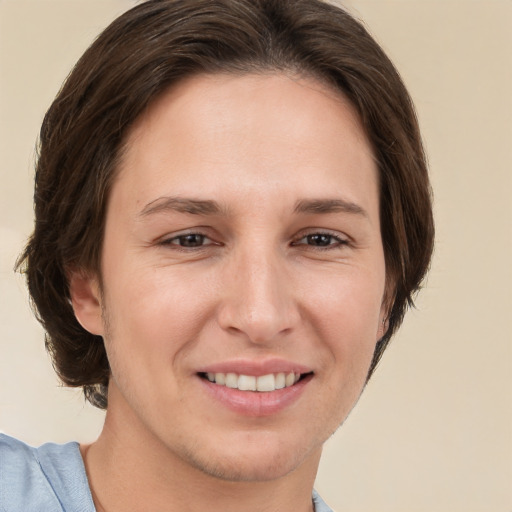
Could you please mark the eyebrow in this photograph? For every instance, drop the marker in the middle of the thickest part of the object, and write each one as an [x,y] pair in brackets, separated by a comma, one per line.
[210,207]
[182,205]
[329,206]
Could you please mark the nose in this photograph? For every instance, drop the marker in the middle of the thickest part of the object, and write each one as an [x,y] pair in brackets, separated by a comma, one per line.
[258,298]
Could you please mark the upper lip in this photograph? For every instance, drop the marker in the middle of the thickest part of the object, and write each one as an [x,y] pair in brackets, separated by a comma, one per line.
[255,368]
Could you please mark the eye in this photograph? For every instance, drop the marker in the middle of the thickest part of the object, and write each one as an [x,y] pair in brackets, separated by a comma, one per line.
[188,240]
[321,240]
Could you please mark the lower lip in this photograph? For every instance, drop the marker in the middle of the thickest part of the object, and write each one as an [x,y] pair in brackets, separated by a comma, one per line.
[255,403]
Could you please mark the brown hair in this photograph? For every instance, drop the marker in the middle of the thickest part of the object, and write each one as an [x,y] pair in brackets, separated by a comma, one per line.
[140,55]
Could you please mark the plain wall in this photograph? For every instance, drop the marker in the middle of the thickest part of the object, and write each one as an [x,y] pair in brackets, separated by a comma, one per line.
[433,430]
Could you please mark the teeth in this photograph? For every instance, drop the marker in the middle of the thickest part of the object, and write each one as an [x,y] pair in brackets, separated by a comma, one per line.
[231,380]
[264,383]
[246,383]
[280,381]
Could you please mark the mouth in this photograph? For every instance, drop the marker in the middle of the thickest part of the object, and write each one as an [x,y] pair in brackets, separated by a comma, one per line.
[262,383]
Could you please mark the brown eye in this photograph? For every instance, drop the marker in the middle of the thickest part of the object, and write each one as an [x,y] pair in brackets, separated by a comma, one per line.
[321,240]
[187,241]
[191,240]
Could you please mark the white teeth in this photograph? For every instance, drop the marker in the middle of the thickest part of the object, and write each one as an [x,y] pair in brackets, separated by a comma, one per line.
[231,380]
[280,381]
[290,379]
[263,383]
[266,383]
[246,383]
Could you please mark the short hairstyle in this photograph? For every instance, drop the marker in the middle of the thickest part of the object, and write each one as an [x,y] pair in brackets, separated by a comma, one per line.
[138,57]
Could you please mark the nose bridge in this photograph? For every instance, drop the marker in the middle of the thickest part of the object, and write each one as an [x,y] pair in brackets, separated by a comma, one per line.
[258,301]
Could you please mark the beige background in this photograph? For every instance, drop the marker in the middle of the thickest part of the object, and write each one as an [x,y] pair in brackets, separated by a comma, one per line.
[433,431]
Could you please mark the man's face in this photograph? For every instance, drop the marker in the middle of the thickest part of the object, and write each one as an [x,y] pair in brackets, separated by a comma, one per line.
[242,246]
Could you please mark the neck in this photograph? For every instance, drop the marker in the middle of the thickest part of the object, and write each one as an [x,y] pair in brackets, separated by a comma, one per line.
[130,470]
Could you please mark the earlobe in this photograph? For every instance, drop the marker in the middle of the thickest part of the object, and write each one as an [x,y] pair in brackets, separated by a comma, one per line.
[383,327]
[385,310]
[86,301]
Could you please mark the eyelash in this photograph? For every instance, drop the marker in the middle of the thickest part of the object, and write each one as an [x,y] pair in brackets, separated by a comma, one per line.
[176,241]
[338,241]
[178,246]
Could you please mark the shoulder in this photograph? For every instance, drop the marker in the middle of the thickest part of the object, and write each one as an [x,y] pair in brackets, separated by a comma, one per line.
[13,451]
[320,505]
[50,478]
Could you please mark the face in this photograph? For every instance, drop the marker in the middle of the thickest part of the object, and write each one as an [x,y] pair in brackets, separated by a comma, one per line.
[243,274]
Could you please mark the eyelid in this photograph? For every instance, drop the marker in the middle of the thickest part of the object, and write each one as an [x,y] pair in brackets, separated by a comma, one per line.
[173,239]
[340,238]
[167,240]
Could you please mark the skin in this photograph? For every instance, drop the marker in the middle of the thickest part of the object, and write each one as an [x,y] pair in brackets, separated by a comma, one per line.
[261,280]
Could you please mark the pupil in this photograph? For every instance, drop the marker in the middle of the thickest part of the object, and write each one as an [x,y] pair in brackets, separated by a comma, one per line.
[191,240]
[321,240]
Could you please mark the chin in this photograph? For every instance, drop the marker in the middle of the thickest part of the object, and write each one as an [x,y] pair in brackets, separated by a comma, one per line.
[258,461]
[247,470]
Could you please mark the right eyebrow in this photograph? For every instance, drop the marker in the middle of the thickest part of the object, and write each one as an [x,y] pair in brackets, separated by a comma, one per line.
[182,205]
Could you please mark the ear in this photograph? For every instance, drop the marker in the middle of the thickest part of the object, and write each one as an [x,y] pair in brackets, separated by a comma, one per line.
[383,326]
[385,309]
[85,295]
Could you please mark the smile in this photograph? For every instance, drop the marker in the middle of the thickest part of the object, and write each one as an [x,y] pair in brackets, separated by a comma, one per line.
[262,383]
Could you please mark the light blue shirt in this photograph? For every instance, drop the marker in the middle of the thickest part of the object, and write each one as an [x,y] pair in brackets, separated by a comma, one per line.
[52,478]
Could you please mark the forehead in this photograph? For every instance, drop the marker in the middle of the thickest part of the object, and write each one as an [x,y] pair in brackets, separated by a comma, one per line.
[246,132]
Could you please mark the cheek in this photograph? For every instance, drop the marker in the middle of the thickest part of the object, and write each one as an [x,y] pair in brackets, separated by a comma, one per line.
[345,310]
[348,301]
[156,313]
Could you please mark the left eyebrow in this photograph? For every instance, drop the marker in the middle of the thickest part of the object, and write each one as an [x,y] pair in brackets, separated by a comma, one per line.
[329,206]
[182,205]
